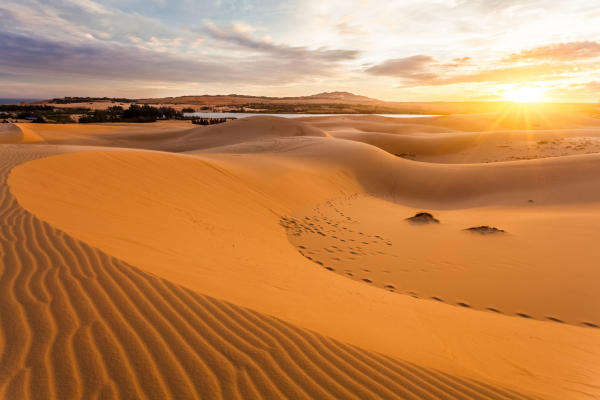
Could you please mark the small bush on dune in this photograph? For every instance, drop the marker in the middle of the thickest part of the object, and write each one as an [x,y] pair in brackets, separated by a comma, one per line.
[210,121]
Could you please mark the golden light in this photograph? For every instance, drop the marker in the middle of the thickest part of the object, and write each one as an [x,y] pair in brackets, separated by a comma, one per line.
[524,94]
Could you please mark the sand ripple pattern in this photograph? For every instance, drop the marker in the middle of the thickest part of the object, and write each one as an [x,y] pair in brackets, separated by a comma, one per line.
[76,323]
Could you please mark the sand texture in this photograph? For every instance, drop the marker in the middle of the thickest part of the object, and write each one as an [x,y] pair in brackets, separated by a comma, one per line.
[274,258]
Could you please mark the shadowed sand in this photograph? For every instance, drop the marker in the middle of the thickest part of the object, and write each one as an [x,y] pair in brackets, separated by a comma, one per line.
[135,273]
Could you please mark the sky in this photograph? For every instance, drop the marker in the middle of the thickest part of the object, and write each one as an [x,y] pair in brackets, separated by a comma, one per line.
[405,50]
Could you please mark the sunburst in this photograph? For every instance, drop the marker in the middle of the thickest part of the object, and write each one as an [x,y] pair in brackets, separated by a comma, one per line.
[524,94]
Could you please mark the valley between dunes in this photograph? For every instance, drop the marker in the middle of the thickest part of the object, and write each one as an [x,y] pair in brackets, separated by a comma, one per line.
[275,258]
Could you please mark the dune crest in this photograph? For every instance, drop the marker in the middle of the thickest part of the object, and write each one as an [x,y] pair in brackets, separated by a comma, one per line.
[18,133]
[467,139]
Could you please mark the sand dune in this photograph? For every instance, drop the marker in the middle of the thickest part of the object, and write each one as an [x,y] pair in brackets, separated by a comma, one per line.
[270,260]
[84,324]
[172,136]
[543,236]
[112,135]
[510,120]
[10,133]
[465,139]
[18,133]
[485,122]
[481,147]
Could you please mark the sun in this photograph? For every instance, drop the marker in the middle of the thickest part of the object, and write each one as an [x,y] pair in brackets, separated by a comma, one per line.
[524,94]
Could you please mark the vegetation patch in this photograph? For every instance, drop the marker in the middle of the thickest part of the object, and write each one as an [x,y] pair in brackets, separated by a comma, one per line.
[135,113]
[423,218]
[485,230]
[210,121]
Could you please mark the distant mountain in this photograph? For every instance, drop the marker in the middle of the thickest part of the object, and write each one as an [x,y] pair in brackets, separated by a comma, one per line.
[338,95]
[343,96]
[325,95]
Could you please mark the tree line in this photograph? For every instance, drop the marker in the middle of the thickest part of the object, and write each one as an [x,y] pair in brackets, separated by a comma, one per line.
[135,113]
[70,100]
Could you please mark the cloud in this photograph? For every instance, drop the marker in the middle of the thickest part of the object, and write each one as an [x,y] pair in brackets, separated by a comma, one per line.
[590,87]
[242,40]
[463,60]
[98,60]
[425,70]
[575,90]
[488,97]
[413,71]
[355,31]
[71,23]
[571,51]
[101,60]
[546,72]
[451,3]
[346,29]
[526,85]
[91,7]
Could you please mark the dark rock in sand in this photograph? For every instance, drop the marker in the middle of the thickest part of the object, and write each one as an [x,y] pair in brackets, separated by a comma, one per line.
[422,218]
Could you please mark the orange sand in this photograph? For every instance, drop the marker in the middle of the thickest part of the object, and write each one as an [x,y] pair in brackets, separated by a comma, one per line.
[272,259]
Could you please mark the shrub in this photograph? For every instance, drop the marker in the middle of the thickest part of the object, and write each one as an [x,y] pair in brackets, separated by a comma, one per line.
[209,121]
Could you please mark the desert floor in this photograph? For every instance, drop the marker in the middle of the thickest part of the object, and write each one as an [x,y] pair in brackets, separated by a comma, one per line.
[278,258]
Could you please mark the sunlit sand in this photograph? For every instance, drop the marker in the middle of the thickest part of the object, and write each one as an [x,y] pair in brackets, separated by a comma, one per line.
[320,257]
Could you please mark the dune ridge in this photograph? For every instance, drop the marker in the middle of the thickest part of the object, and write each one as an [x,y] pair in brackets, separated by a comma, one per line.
[527,198]
[479,122]
[79,323]
[10,133]
[170,136]
[467,139]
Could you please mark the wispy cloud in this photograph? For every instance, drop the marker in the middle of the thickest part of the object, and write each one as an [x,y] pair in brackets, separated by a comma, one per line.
[575,90]
[99,60]
[544,63]
[91,7]
[240,36]
[415,70]
[571,51]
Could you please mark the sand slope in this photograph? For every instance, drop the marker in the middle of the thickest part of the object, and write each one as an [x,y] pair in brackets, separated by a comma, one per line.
[18,133]
[245,130]
[110,134]
[484,122]
[172,136]
[79,323]
[261,266]
[465,139]
[212,224]
[10,133]
[511,120]
[481,147]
